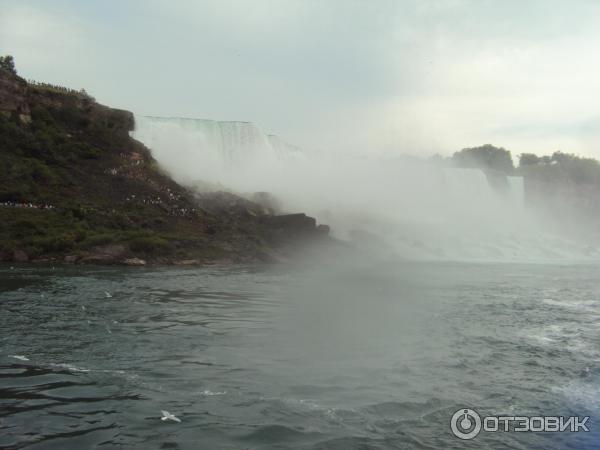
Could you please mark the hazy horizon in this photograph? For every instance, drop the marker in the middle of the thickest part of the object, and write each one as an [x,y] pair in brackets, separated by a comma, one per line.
[418,77]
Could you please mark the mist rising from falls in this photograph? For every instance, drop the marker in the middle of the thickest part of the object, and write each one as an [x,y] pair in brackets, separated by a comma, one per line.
[212,151]
[516,190]
[401,206]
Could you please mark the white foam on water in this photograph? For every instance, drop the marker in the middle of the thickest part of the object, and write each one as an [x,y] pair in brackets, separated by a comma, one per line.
[573,338]
[581,393]
[209,393]
[70,367]
[578,305]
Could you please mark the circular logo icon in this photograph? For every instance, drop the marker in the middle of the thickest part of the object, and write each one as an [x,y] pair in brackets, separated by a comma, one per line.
[465,423]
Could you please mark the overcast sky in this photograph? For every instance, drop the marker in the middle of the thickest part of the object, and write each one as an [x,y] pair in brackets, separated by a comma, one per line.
[371,76]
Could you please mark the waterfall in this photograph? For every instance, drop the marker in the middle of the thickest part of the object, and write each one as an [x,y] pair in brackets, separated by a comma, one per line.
[516,190]
[283,149]
[467,184]
[210,150]
[473,184]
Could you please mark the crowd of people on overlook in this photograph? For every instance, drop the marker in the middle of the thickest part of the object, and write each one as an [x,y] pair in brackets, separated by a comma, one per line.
[172,210]
[26,205]
[59,88]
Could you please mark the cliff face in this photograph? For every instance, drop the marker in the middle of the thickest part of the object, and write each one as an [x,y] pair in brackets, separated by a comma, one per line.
[75,186]
[13,97]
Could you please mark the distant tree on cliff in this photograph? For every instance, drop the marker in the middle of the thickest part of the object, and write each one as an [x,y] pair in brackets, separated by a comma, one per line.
[8,63]
[578,169]
[486,157]
[528,159]
[531,159]
[560,168]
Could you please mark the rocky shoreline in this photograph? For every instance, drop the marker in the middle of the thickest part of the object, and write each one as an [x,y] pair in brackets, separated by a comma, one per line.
[294,230]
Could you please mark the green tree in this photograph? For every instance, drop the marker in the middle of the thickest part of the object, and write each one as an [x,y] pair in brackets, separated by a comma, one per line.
[528,159]
[486,157]
[560,168]
[577,169]
[8,63]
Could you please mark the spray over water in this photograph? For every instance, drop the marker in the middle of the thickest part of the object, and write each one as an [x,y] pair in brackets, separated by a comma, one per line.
[405,206]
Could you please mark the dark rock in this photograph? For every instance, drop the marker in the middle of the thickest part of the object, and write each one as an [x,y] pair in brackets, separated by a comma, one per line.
[134,262]
[292,223]
[323,229]
[98,259]
[20,256]
[13,96]
[187,262]
[71,258]
[114,250]
[222,202]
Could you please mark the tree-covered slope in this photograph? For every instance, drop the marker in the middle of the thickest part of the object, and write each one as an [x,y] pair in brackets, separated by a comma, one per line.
[74,184]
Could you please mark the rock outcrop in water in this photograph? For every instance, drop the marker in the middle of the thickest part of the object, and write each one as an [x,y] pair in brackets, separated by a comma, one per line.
[76,187]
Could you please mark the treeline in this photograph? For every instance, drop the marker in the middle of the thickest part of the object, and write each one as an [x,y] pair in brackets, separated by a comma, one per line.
[558,167]
[8,63]
[62,89]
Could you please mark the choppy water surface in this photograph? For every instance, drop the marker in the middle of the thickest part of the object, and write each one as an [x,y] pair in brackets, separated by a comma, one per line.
[367,356]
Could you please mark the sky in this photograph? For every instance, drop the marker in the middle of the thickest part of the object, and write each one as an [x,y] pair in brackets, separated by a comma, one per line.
[367,76]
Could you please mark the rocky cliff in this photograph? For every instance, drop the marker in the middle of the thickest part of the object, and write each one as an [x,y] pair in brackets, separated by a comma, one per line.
[13,97]
[74,186]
